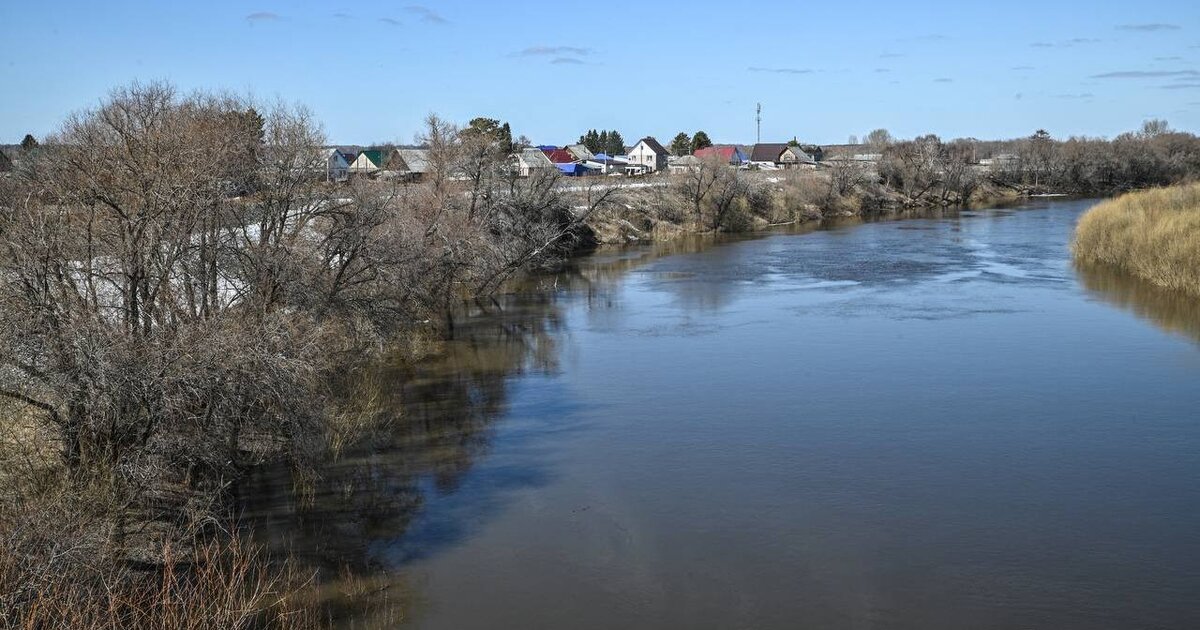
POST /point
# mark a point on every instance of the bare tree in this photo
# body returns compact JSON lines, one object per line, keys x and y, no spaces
{"x":697,"y":182}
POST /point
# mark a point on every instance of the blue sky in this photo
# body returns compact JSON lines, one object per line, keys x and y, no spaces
{"x":371,"y":70}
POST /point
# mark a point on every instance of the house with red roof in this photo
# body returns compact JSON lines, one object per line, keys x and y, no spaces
{"x":728,"y":153}
{"x":559,"y":156}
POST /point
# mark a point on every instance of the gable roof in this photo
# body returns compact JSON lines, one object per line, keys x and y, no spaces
{"x":415,"y":160}
{"x":560,"y":156}
{"x":374,"y":156}
{"x":580,"y":151}
{"x":801,"y":154}
{"x":655,"y":146}
{"x":767,"y":151}
{"x":727,"y":152}
{"x":534,"y":158}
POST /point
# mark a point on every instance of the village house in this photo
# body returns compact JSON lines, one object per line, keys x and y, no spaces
{"x":531,"y":160}
{"x":778,"y":155}
{"x":408,"y":164}
{"x":414,"y":163}
{"x":728,"y":153}
{"x":337,"y":167}
{"x":647,"y":156}
{"x":684,"y":164}
{"x":559,"y":156}
{"x":580,"y":151}
{"x":606,"y":164}
{"x":370,"y":161}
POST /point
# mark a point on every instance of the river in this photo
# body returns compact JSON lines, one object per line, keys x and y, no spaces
{"x":928,"y":423}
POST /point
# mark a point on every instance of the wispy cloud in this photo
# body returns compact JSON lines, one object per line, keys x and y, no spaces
{"x":552,"y":51}
{"x":928,"y":37}
{"x":263,"y":16}
{"x":780,"y":70}
{"x":943,"y":80}
{"x":891,"y":55}
{"x":882,"y":70}
{"x":1023,"y":68}
{"x":342,"y":16}
{"x":390,"y":21}
{"x":1192,"y":85}
{"x":572,"y":61}
{"x":1168,"y":58}
{"x":1067,"y":43}
{"x":426,"y":14}
{"x":1081,"y":95}
{"x":1149,"y":28}
{"x":1145,"y":74}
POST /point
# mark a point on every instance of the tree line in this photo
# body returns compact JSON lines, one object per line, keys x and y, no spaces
{"x":604,"y":141}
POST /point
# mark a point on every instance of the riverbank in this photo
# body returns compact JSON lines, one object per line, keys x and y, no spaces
{"x":679,"y":206}
{"x":1152,"y":234}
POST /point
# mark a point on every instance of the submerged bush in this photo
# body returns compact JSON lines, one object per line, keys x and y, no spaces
{"x":1153,"y":234}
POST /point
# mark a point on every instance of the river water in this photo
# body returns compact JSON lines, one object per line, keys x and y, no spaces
{"x":927,"y":423}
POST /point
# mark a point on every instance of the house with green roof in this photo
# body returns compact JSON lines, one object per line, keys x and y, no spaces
{"x":369,"y":162}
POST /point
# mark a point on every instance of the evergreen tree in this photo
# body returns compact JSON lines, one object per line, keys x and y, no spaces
{"x":496,"y":134}
{"x":700,"y":141}
{"x":29,"y":143}
{"x":602,"y":142}
{"x":682,"y":144}
{"x":615,"y":144}
{"x":506,"y":139}
{"x":591,"y":140}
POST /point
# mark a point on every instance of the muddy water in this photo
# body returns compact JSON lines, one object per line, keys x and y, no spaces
{"x":930,"y":423}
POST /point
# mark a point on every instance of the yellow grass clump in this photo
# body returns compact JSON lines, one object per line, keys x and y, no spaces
{"x":1153,"y":234}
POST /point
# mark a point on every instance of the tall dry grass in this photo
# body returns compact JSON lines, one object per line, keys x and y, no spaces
{"x":1153,"y":234}
{"x":217,"y":584}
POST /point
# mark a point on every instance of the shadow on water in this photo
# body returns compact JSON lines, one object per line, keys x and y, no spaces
{"x":1172,"y":311}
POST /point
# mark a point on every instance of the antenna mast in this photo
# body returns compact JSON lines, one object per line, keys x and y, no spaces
{"x":758,"y":125}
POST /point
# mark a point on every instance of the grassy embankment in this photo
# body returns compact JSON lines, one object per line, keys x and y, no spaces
{"x":1152,"y":234}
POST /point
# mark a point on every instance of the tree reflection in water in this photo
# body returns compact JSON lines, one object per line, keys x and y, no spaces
{"x":431,"y":423}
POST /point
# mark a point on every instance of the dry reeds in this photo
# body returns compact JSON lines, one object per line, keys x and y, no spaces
{"x":223,"y":584}
{"x":1153,"y":234}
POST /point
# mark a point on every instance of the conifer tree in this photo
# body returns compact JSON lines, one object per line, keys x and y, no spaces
{"x":615,"y":144}
{"x":682,"y":144}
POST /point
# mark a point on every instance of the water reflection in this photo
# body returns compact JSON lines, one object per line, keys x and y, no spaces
{"x":1173,"y":311}
{"x":898,"y":491}
{"x":428,"y":425}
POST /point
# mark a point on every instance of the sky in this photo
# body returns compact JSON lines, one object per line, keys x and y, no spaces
{"x":372,"y":70}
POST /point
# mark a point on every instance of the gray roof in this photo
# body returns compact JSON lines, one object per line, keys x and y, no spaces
{"x":580,"y":151}
{"x":799,"y":153}
{"x":535,"y":158}
{"x":416,"y":159}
